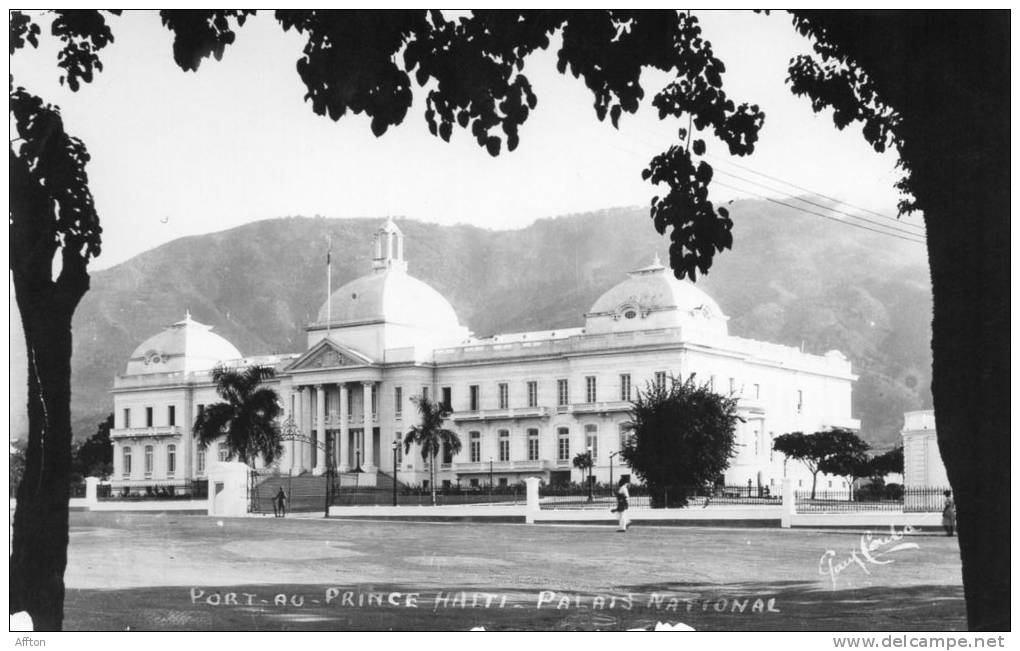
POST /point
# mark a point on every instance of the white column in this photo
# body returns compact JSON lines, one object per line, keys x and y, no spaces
{"x":306,"y":430}
{"x":342,"y":459}
{"x":287,"y":460}
{"x":297,"y":465}
{"x":368,"y":450}
{"x":320,"y":429}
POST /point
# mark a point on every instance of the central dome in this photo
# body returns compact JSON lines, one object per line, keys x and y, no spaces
{"x":390,"y":296}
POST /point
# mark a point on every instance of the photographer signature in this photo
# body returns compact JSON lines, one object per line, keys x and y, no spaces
{"x":870,"y":552}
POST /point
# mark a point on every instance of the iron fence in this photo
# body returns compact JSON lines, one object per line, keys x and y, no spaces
{"x":576,"y":496}
{"x":78,"y":490}
{"x":908,"y":500}
{"x":603,"y":496}
{"x":413,"y":496}
{"x":189,"y":490}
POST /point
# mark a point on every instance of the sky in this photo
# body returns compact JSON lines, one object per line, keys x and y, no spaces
{"x":176,"y":153}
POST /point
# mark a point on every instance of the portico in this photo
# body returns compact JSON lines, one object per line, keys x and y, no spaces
{"x":337,"y":410}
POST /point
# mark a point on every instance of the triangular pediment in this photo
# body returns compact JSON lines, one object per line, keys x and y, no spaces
{"x":329,"y":354}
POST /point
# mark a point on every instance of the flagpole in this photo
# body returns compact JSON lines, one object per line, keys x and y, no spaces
{"x":329,"y":284}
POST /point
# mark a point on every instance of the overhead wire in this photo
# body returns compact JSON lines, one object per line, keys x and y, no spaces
{"x":895,"y":228}
{"x":812,"y":212}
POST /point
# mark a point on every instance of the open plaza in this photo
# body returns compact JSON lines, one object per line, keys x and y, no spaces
{"x":167,"y":571}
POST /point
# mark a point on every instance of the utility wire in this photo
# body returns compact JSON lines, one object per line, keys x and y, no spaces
{"x":719,"y":161}
{"x":894,"y":227}
{"x":812,"y":212}
{"x":803,"y":189}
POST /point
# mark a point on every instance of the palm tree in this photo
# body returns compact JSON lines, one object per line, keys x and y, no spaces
{"x":248,"y":417}
{"x":583,"y":461}
{"x":431,"y":435}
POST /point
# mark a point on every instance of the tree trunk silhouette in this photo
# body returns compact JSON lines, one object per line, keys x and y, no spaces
{"x":39,"y":546}
{"x":40,"y":531}
{"x":969,"y":260}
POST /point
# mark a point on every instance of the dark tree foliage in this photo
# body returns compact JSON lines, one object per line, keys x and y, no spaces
{"x":852,"y":465}
{"x":887,"y":463}
{"x":94,"y":457}
{"x":682,"y":438}
{"x":430,"y":435}
{"x":54,"y":230}
{"x":583,"y":461}
{"x":936,"y":86}
{"x":819,"y":450}
{"x":247,"y":419}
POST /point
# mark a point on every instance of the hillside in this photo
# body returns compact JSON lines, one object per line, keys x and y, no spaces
{"x":792,"y":279}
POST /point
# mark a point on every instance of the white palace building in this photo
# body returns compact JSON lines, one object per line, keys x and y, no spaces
{"x":523,"y":404}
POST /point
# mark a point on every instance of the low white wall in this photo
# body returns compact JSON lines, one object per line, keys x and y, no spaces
{"x":453,"y":511}
{"x":867,"y":519}
{"x":150,"y":505}
{"x":735,"y":512}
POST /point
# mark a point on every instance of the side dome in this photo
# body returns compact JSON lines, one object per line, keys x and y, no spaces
{"x":392,"y":297}
{"x":653,"y":298}
{"x":184,"y":346}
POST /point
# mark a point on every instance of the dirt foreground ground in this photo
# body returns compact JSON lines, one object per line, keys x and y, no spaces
{"x":171,"y":572}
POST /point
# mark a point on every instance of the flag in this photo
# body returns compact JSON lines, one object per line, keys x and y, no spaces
{"x":329,"y":250}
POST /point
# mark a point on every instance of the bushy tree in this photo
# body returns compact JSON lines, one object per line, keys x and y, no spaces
{"x":682,"y":438}
{"x":247,"y":419}
{"x":94,"y":457}
{"x":851,"y":465}
{"x":821,"y":449}
{"x":887,"y":463}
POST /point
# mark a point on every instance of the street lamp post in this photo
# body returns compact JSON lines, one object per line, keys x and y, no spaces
{"x":611,"y":455}
{"x":490,"y":477}
{"x":591,"y":462}
{"x":396,"y":446}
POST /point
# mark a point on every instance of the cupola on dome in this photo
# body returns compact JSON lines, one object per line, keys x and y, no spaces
{"x":184,"y":346}
{"x":389,"y":294}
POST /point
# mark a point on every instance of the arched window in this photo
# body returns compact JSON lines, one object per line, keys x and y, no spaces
{"x":126,"y":470}
{"x":171,"y":459}
{"x":148,"y":460}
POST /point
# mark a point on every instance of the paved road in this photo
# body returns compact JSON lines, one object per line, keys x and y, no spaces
{"x":171,"y":572}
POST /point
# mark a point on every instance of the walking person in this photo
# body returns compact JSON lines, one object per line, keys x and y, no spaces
{"x":622,"y":504}
{"x":949,"y":513}
{"x":280,"y":504}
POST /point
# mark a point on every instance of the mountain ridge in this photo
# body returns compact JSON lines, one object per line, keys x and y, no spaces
{"x":790,"y":279}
